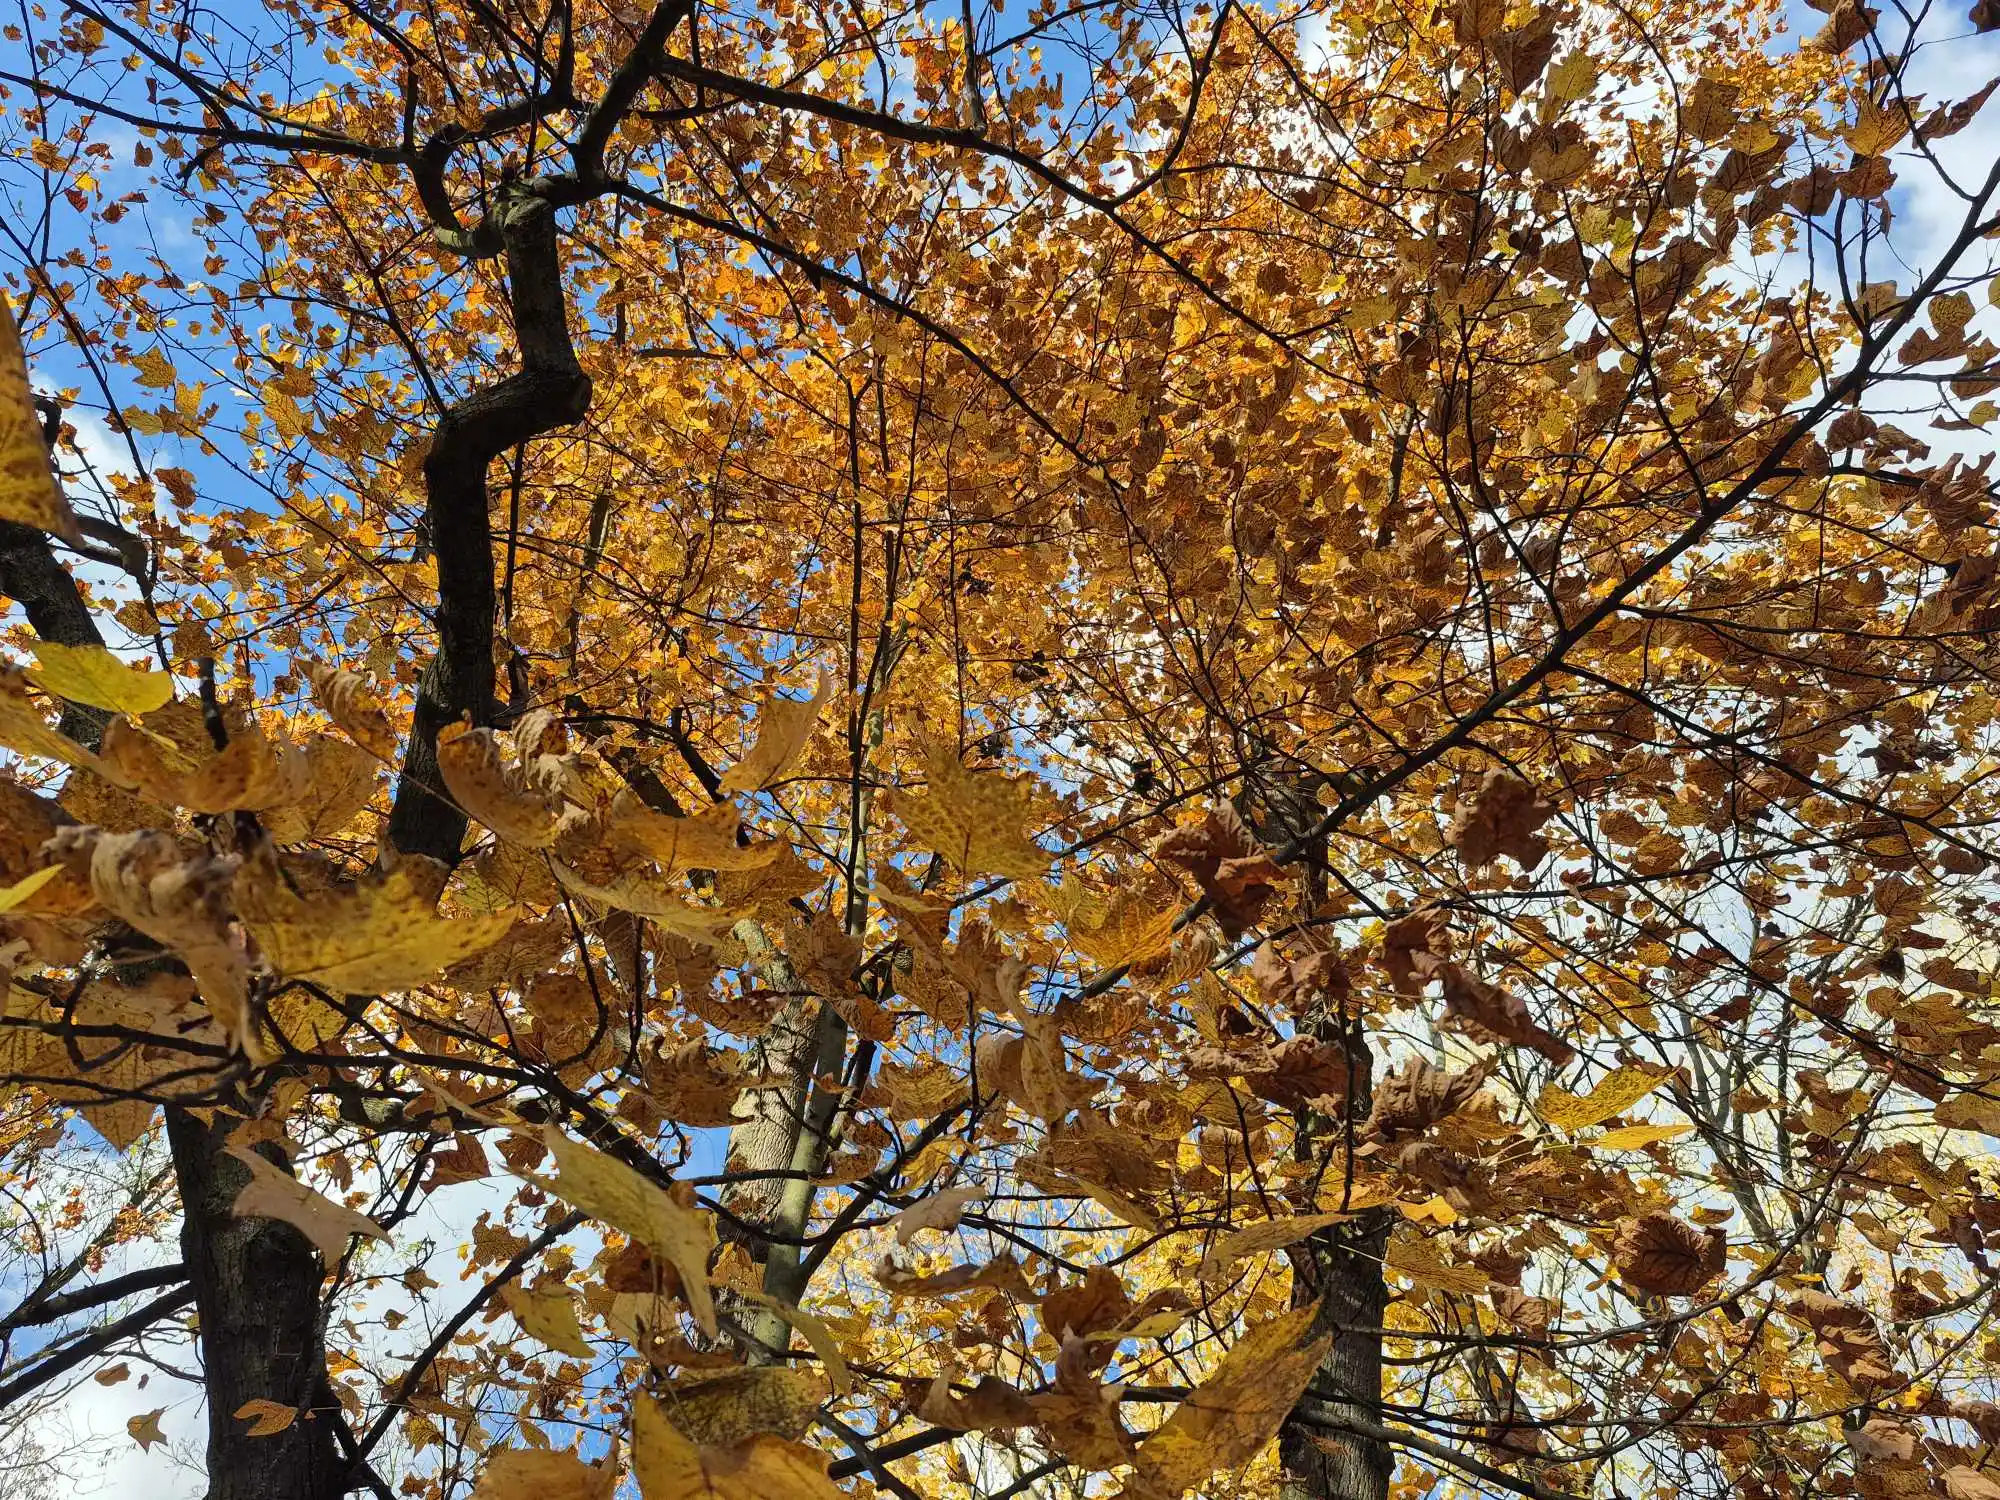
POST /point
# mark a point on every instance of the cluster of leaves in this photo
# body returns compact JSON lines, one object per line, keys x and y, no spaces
{"x":1258,"y":696}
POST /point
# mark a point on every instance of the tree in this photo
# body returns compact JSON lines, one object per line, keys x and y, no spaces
{"x":1243,"y":747}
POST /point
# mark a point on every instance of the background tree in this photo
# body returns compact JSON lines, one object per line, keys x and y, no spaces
{"x":1108,"y":735}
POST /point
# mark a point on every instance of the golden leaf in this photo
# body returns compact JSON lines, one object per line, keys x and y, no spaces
{"x":543,"y":1474}
{"x":92,"y":675}
{"x":381,"y":933}
{"x":495,"y":791}
{"x":706,"y":841}
{"x":266,"y":1418}
{"x":1634,"y":1137}
{"x":938,"y":1211}
{"x":614,"y":1194}
{"x":548,"y":1313}
{"x":147,"y":880}
{"x":340,"y":782}
{"x":1262,"y":1238}
{"x":670,"y":1467}
{"x":1419,"y":1260}
{"x":1226,"y":1421}
{"x":817,"y":1335}
{"x":1616,"y":1092}
{"x":273,"y":1193}
{"x":145,"y":1428}
{"x":974,"y":819}
{"x":248,"y":774}
{"x":783,"y":729}
{"x":13,"y":895}
{"x":28,"y":491}
{"x":729,"y":1405}
{"x":350,"y":701}
{"x":23,"y":729}
{"x":641,"y":895}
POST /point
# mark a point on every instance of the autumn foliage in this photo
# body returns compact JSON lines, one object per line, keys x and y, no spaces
{"x":1127,"y":750}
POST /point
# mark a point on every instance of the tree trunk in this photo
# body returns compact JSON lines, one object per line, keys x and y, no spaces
{"x":256,"y":1282}
{"x":1320,"y":1461}
{"x":257,"y":1285}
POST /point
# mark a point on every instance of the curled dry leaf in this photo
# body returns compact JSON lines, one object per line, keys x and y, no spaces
{"x":1848,"y":1341}
{"x":178,"y":899}
{"x":273,"y":1193}
{"x":29,"y":495}
{"x":495,"y":790}
{"x":349,"y":699}
{"x":382,"y":932}
{"x":1502,"y":816}
{"x":670,"y":1466}
{"x":1667,"y":1256}
{"x":939,"y":1211}
{"x":1417,"y":1096}
{"x":705,"y":841}
{"x":783,"y":730}
{"x":1233,"y":870}
{"x":249,"y":774}
{"x":992,"y":1405}
{"x":1500,"y":1012}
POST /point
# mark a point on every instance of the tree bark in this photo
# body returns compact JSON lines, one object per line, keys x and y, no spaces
{"x":1320,"y":1461}
{"x":256,"y":1284}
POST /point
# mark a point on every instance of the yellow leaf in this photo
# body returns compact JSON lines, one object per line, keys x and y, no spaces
{"x":1877,"y":128}
{"x":266,"y":1418}
{"x":730,"y":1405}
{"x":90,"y":674}
{"x":542,"y":1474}
{"x":548,"y":1314}
{"x":1615,"y":1093}
{"x":156,"y":371}
{"x":1227,"y":1420}
{"x":642,"y":895}
{"x":113,"y":1374}
{"x":706,"y":841}
{"x":670,"y":1467}
{"x":783,"y":729}
{"x":249,"y":774}
{"x":496,"y":791}
{"x":1420,"y":1261}
{"x":181,"y":901}
{"x":350,"y":701}
{"x":145,"y":1428}
{"x":614,"y":1194}
{"x":381,"y":933}
{"x":28,"y":492}
{"x":974,"y":819}
{"x":817,"y":1335}
{"x":13,"y":895}
{"x":22,"y":728}
{"x":1633,"y":1137}
{"x":273,"y":1193}
{"x":1571,"y":78}
{"x":341,"y":779}
{"x":1261,"y":1239}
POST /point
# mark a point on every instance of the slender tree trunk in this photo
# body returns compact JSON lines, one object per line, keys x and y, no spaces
{"x":1320,"y":1461}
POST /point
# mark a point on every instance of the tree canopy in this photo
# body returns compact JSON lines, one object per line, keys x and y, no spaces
{"x":1133,"y":749}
